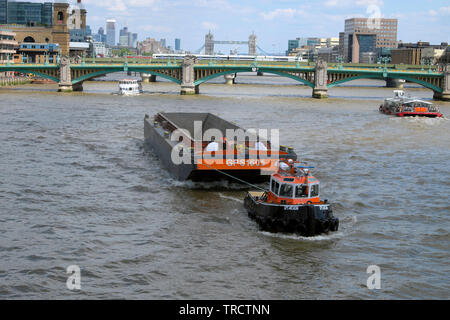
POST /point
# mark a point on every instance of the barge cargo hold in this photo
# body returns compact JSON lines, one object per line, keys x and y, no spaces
{"x":251,"y":160}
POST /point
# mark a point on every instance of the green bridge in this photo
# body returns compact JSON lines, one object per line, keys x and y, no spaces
{"x":190,"y":73}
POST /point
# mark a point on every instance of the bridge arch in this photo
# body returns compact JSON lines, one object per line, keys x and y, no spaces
{"x":50,"y":74}
{"x":103,"y":72}
{"x":283,"y":74}
{"x":381,"y":77}
{"x":155,"y":73}
{"x":92,"y":75}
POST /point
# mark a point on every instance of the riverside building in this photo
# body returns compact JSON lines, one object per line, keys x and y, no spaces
{"x":366,"y":35}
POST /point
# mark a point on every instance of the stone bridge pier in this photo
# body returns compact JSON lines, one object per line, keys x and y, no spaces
{"x":65,"y":77}
{"x":230,"y":79}
{"x":445,"y":95}
{"x":394,"y":83}
{"x":320,"y":90}
{"x":188,"y":86}
{"x":147,"y":77}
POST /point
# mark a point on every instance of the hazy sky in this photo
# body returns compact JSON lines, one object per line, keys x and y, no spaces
{"x":274,"y":22}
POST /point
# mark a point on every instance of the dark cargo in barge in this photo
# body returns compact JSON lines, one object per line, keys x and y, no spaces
{"x":182,"y":135}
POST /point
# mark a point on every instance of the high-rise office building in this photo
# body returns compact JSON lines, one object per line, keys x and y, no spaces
{"x":163,"y":43}
{"x":123,"y":32}
{"x":124,"y":37}
{"x":134,"y":40}
{"x":100,"y":36}
{"x":3,"y":11}
{"x":177,"y":44}
{"x":111,"y":32}
{"x":364,"y":35}
{"x":26,"y":13}
{"x":127,"y":39}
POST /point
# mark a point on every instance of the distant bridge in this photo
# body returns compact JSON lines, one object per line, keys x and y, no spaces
{"x":210,"y":43}
{"x":191,"y":73}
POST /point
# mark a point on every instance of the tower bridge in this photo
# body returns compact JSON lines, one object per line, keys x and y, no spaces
{"x":190,"y":73}
{"x":210,"y":44}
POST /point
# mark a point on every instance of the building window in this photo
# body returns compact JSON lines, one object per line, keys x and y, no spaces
{"x":29,"y":39}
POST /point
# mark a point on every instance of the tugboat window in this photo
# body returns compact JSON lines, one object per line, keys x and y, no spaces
{"x":315,"y":190}
{"x":275,"y":187}
{"x":286,"y":190}
{"x":301,"y":191}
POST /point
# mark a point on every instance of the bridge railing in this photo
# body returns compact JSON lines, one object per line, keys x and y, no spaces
{"x":235,"y":63}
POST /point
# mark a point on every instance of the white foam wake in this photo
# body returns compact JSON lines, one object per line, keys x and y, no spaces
{"x":327,"y":237}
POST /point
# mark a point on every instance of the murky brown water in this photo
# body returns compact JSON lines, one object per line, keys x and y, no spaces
{"x":78,"y":188}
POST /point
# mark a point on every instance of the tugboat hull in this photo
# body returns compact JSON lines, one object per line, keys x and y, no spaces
{"x":305,"y":220}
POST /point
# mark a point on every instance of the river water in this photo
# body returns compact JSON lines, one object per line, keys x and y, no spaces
{"x":78,"y":188}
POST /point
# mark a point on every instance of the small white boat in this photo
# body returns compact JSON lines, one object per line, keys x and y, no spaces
{"x":129,"y":87}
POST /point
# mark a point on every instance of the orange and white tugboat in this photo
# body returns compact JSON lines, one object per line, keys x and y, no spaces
{"x":292,"y":204}
{"x":403,"y":106}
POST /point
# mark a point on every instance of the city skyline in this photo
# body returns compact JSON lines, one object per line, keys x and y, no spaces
{"x":274,"y":22}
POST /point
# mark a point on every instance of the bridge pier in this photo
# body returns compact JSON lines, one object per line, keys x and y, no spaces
{"x":77,"y":87}
{"x":147,"y":77}
{"x":445,"y":94}
{"x":394,"y":83}
{"x":65,"y":77}
{"x":320,"y":90}
{"x":188,"y":86}
{"x":229,"y":79}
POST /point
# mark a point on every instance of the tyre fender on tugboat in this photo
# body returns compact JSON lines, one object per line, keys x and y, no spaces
{"x":334,"y":225}
{"x":311,"y":222}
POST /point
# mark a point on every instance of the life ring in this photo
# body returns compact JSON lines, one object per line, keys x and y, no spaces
{"x":309,"y":202}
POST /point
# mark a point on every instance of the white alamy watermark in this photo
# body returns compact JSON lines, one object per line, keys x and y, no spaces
{"x":374,"y":21}
{"x":374,"y":280}
{"x":74,"y":280}
{"x":239,"y":147}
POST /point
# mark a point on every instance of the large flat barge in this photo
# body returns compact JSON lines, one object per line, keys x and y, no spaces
{"x":187,"y":148}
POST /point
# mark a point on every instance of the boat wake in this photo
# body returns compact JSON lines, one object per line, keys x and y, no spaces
{"x":422,"y":121}
{"x":327,"y":237}
{"x":230,"y":198}
{"x":346,"y":222}
{"x":214,"y":185}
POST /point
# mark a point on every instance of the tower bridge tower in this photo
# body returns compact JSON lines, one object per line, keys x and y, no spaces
{"x":252,"y":41}
{"x":209,"y":44}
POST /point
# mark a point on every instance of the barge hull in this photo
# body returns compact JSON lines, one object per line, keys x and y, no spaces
{"x":155,"y":140}
{"x":157,"y":134}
